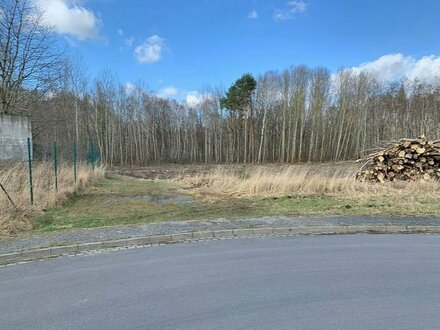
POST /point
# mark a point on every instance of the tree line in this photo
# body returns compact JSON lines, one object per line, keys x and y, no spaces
{"x":299,"y":114}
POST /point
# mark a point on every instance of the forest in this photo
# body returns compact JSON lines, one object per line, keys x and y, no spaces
{"x":291,"y":115}
{"x":298,"y":115}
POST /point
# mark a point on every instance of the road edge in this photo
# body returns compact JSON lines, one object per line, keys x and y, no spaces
{"x":57,"y":251}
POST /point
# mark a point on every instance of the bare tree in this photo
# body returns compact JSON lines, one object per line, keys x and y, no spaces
{"x":27,"y":55}
{"x":322,"y":118}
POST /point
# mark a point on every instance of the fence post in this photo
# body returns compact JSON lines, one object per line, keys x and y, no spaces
{"x":7,"y":195}
{"x":92,"y":147}
{"x":55,"y":165}
{"x":74,"y":162}
{"x":31,"y":187}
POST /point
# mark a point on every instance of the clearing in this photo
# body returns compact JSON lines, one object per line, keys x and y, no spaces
{"x":182,"y":192}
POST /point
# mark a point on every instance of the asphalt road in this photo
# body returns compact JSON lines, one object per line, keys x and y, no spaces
{"x":321,"y":282}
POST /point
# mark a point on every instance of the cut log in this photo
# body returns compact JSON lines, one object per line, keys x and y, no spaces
{"x":381,"y":177}
{"x":406,"y":143}
{"x":409,"y":159}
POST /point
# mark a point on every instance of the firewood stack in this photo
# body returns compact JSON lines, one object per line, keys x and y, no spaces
{"x":408,"y":159}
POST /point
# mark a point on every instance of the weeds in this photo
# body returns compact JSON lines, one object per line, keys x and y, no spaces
{"x":15,"y":216}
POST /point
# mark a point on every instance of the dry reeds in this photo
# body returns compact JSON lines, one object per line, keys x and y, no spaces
{"x":337,"y":180}
{"x":14,"y":216}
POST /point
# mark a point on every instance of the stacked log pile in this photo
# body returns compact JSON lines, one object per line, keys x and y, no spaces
{"x":407,"y":159}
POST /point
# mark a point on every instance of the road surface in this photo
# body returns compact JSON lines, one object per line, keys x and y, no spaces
{"x":314,"y":282}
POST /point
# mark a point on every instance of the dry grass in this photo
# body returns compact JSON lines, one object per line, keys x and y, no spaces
{"x":220,"y":191}
{"x":236,"y":191}
{"x":334,"y":180}
{"x":15,"y":179}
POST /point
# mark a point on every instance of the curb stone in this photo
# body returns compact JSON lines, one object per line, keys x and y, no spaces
{"x":50,"y":252}
{"x":181,"y":237}
{"x":262,"y":231}
{"x":203,"y":234}
{"x":243,"y":231}
{"x":223,"y":233}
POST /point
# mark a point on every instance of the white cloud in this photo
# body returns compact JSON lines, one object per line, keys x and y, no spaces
{"x":120,"y":32}
{"x":426,"y":69}
{"x":253,"y":14}
{"x":193,"y":99}
{"x":290,"y":11}
{"x":151,"y":50}
{"x":129,"y":87}
{"x":394,"y":66}
{"x":70,"y":18}
{"x":168,"y":92}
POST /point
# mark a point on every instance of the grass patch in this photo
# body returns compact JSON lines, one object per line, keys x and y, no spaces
{"x":121,"y":200}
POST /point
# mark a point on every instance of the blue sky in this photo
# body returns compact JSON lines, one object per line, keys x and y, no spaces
{"x":178,"y":46}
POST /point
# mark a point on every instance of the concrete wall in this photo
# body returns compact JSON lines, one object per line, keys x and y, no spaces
{"x":14,"y":131}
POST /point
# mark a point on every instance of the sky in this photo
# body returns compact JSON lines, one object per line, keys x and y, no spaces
{"x":177,"y":47}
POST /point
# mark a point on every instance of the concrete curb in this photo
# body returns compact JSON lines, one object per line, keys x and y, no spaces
{"x":57,"y":251}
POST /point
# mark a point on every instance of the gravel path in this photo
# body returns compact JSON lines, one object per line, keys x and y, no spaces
{"x":110,"y":233}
